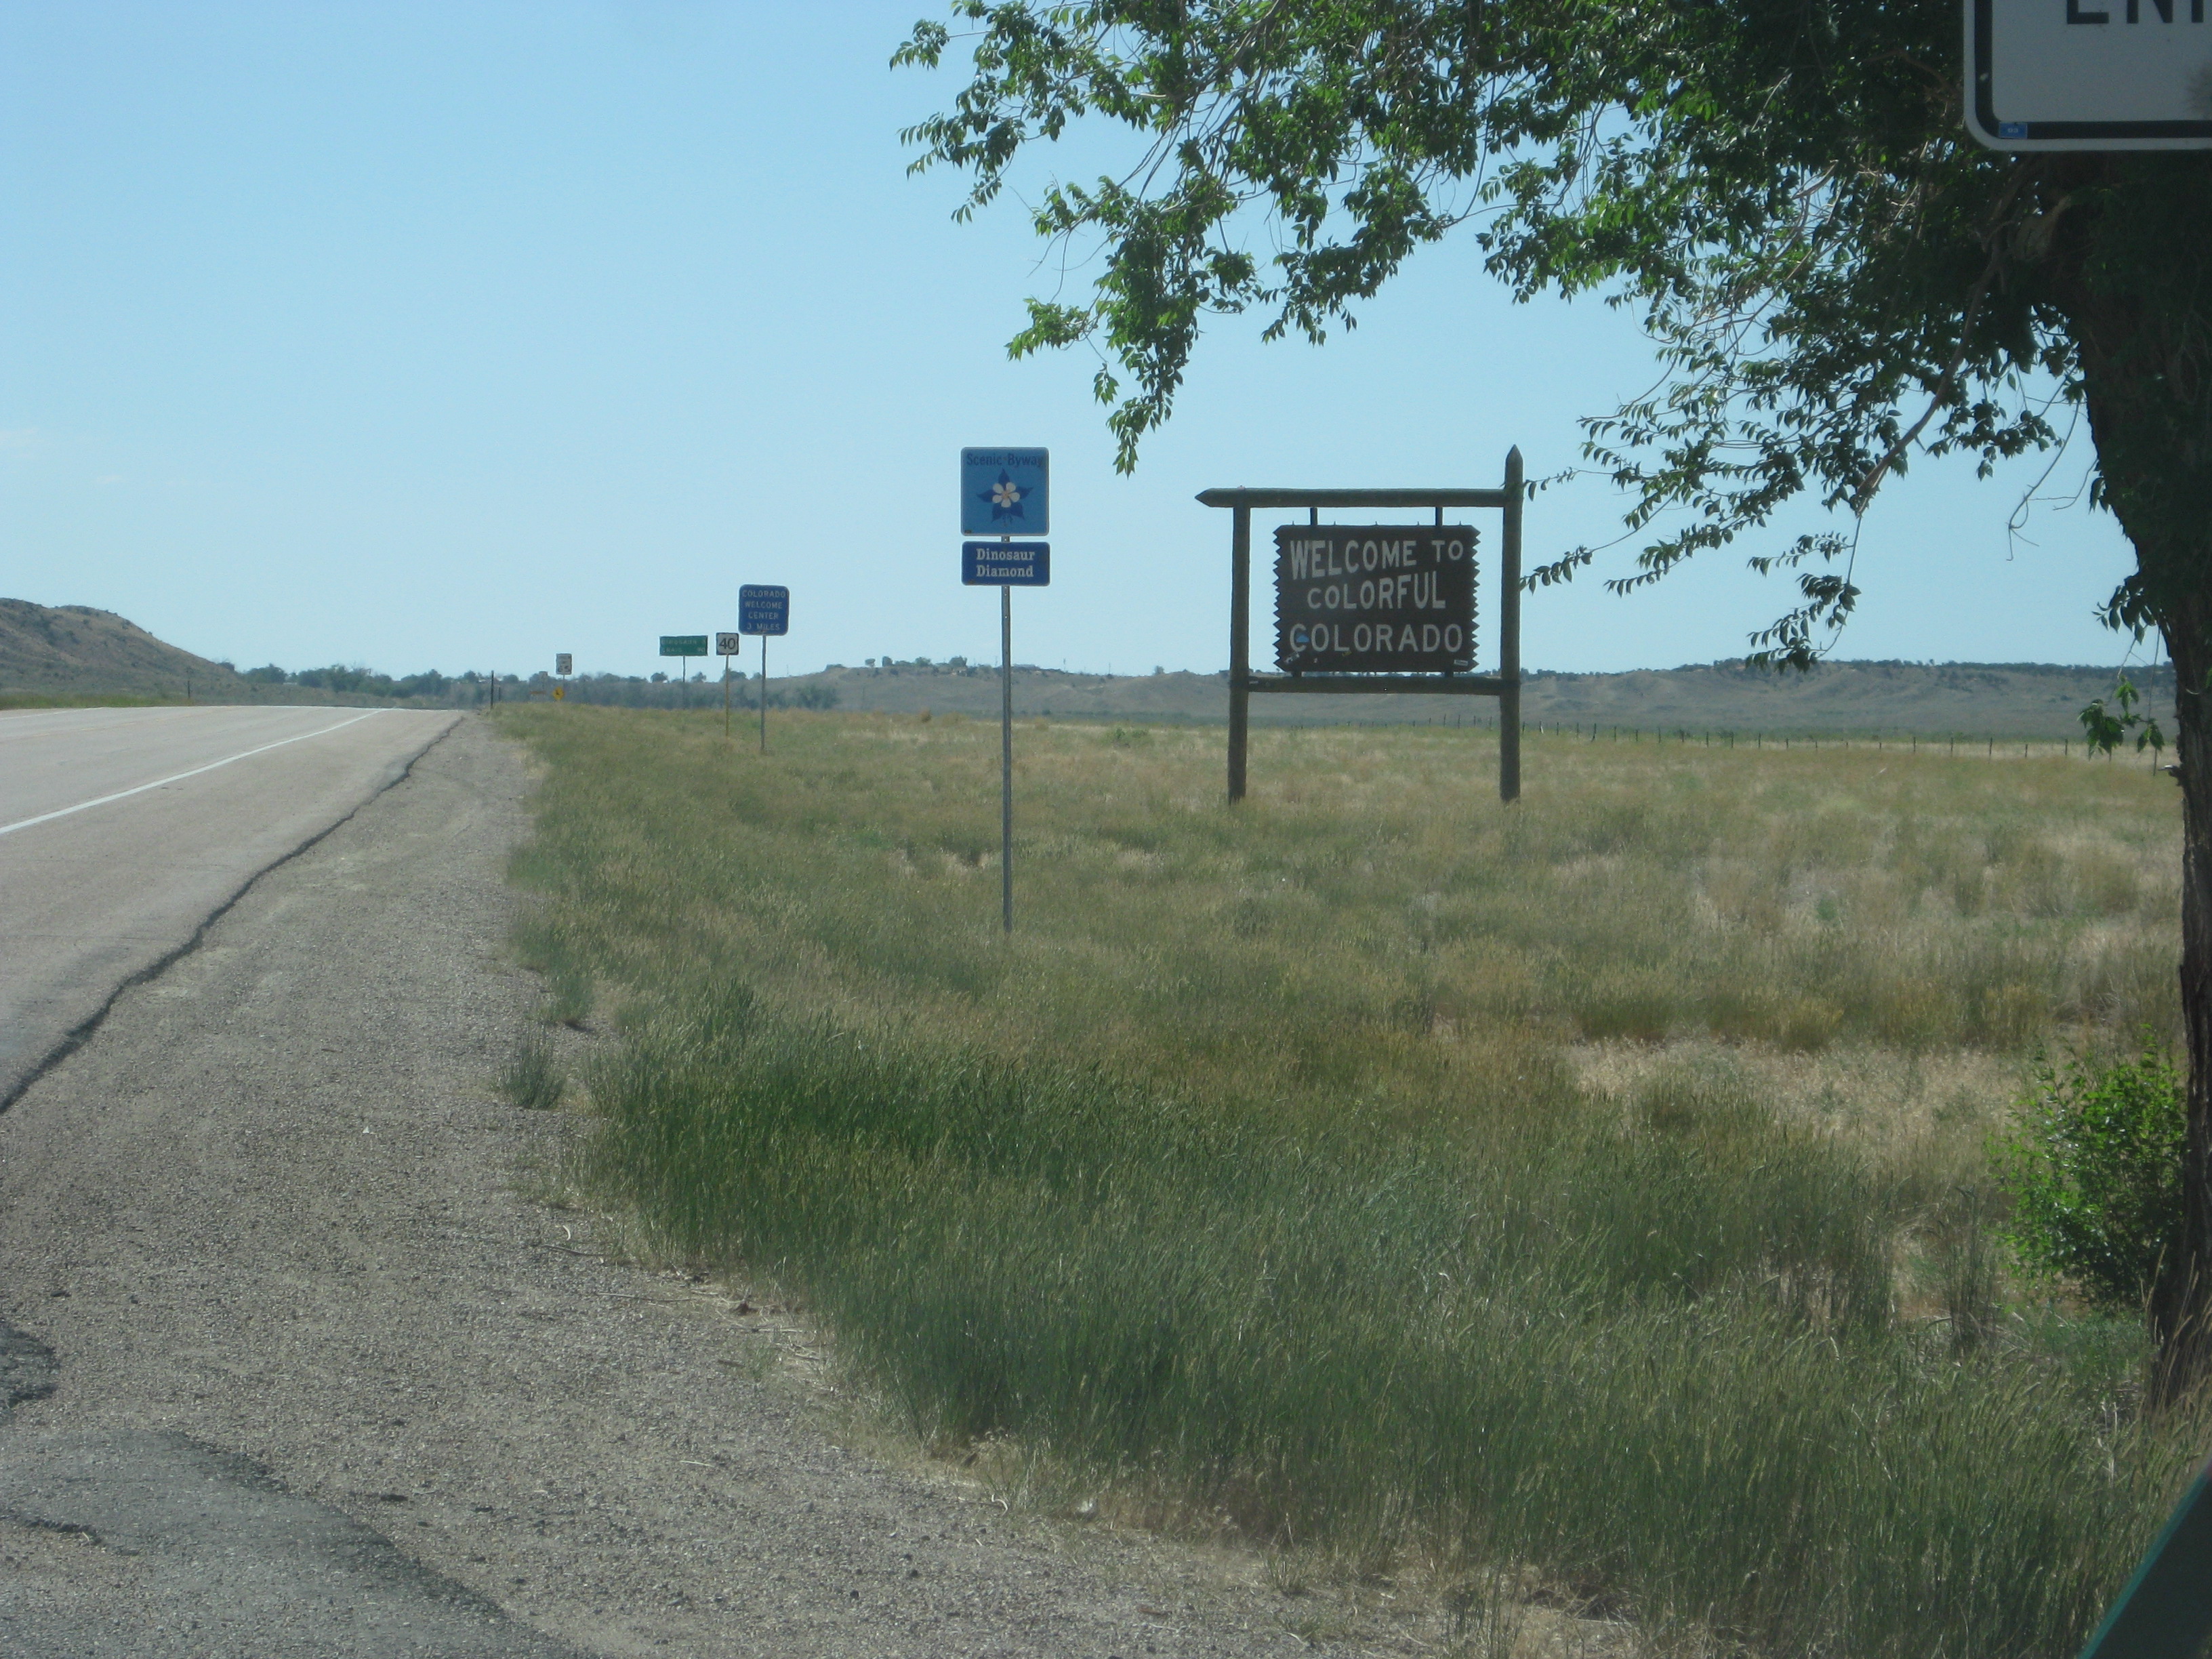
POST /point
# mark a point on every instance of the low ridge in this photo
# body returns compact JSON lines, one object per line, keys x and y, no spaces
{"x":75,"y":650}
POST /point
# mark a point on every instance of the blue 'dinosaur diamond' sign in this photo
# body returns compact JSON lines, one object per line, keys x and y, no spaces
{"x":1003,"y":492}
{"x":763,"y":609}
{"x":1006,"y":564}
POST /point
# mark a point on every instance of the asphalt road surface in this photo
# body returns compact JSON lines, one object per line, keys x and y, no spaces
{"x":293,"y":1361}
{"x":122,"y":830}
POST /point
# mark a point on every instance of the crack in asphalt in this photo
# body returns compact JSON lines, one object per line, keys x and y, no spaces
{"x":81,"y":1033}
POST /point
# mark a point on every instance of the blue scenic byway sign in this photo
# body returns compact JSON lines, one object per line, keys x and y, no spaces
{"x":1003,"y":492}
{"x":1006,"y":564}
{"x":763,"y":609}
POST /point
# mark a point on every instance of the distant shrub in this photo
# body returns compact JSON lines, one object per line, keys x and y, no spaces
{"x":1809,"y":1025}
{"x":428,"y":683}
{"x":816,"y":696}
{"x":1635,"y":1003}
{"x":2092,"y":1167}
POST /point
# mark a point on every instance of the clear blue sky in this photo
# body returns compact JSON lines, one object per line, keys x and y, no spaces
{"x":454,"y":335}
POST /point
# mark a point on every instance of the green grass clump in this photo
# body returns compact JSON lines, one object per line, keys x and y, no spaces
{"x":1261,"y":1171}
{"x":533,"y":1077}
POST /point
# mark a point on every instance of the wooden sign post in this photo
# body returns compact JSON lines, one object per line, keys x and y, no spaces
{"x":1376,"y":608}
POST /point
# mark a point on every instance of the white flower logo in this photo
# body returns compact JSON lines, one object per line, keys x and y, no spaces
{"x":1005,"y":499}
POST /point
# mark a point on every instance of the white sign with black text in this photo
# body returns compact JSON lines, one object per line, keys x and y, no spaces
{"x":2089,"y":75}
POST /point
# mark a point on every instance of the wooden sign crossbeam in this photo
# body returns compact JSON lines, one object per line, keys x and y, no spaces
{"x":1504,"y":685}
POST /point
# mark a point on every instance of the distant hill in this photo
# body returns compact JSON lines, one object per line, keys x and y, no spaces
{"x":74,"y":651}
{"x":2003,"y":699}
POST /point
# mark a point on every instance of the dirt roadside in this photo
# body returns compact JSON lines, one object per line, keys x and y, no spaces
{"x":320,"y":1381}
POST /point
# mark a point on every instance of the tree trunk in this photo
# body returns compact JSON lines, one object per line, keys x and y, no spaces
{"x":2132,"y":270}
{"x":2182,"y":1300}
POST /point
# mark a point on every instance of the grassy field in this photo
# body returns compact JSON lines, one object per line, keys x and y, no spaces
{"x":1587,"y":1196}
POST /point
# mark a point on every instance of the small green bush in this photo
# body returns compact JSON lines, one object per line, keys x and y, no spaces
{"x":2092,"y":1167}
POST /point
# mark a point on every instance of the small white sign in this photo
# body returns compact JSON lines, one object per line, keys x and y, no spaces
{"x":2089,"y":74}
{"x":728,"y":645}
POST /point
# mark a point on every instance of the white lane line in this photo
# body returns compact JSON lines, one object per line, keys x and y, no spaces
{"x":178,"y":777}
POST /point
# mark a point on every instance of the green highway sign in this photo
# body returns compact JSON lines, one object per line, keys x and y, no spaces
{"x":683,"y":645}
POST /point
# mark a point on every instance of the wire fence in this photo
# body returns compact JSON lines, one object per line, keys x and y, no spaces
{"x":1951,"y":745}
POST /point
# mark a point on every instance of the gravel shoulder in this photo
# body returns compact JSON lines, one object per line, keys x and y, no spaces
{"x":296,"y":1367}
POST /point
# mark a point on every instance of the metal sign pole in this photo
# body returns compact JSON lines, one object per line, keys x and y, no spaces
{"x":726,"y":696}
{"x":1240,"y":646}
{"x":1006,"y":758}
{"x":1002,"y":490}
{"x":762,"y":608}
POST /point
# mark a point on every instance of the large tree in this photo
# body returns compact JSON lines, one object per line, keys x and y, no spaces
{"x":1835,"y":276}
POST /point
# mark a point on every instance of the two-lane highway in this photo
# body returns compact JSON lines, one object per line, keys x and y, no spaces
{"x":122,"y":830}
